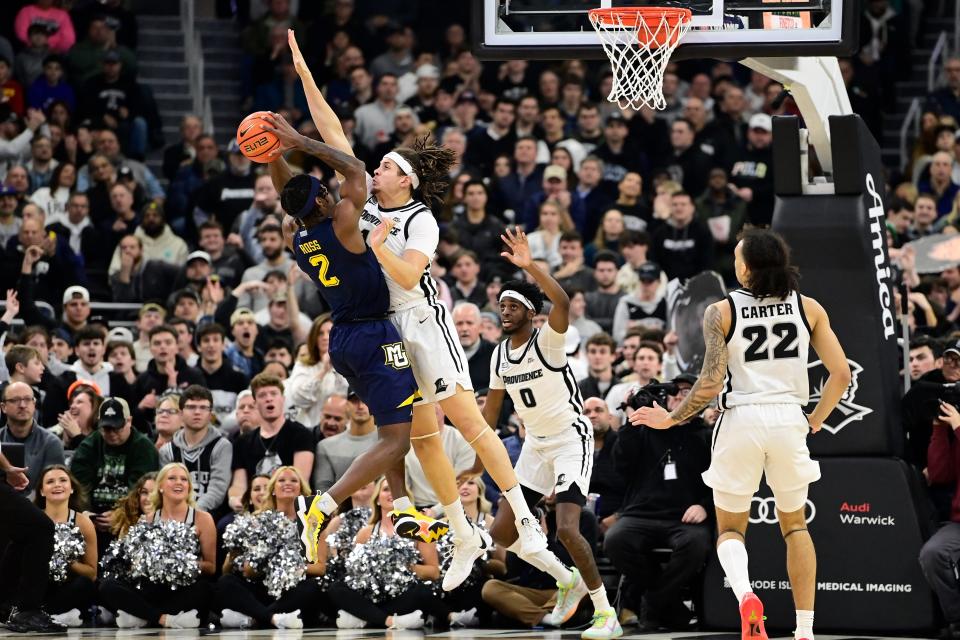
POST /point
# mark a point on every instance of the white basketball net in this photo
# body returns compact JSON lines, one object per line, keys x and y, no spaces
{"x":637,"y":67}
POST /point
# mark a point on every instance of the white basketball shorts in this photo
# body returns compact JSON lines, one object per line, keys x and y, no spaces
{"x":438,"y":361}
{"x":557,"y":462}
{"x":752,"y":440}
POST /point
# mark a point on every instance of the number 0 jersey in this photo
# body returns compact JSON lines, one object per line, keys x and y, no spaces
{"x":767,"y":346}
{"x":352,"y":284}
{"x":541,"y":384}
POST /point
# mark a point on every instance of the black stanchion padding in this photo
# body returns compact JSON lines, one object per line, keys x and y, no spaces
{"x":839,"y":244}
{"x":868,"y":538}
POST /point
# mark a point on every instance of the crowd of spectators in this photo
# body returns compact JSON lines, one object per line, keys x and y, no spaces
{"x":617,"y":203}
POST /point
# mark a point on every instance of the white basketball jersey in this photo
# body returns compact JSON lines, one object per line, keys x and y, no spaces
{"x":767,"y":347}
{"x":414,"y":228}
{"x":541,"y":384}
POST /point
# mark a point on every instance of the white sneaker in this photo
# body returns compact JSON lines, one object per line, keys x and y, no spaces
{"x":69,"y":618}
{"x":568,"y":599}
{"x":465,"y":553}
{"x":412,"y":620}
{"x":289,"y":620}
{"x":183,"y":620}
{"x":349,"y":621}
{"x":127,"y":621}
{"x":104,"y":617}
{"x":467,"y":618}
{"x":605,"y":626}
{"x":230,"y":619}
{"x":532,"y":538}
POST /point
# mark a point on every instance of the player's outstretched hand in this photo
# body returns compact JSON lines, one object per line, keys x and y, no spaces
{"x":655,"y":417}
{"x":519,"y":254}
{"x":289,"y":138}
{"x":298,"y":62}
{"x":379,"y":234}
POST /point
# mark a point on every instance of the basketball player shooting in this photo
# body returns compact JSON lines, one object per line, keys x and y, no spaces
{"x":757,"y":342}
{"x":557,"y":454}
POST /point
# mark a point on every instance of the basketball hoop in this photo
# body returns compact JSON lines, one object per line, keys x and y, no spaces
{"x":639,"y":42}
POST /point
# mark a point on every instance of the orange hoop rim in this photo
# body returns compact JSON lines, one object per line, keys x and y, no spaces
{"x":631,"y":16}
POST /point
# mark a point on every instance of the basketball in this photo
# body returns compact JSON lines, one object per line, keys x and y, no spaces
{"x":255,"y":142}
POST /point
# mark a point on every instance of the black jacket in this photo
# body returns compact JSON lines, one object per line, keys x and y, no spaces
{"x":640,"y":456}
{"x":153,"y":380}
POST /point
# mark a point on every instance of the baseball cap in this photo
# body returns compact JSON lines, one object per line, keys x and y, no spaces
{"x":954,"y":348}
{"x":151,"y":306}
{"x":113,"y":413}
{"x":491,"y":316}
{"x":111,"y":56}
{"x":242,"y":313}
{"x":186,"y":292}
{"x":199,"y":255}
{"x":467,"y":96}
{"x":554,"y":172}
{"x":351,"y":393}
{"x":125,"y":172}
{"x":615,"y":116}
{"x":687,"y":378}
{"x":761,"y":121}
{"x":7,"y":191}
{"x":649,"y":271}
{"x":427,"y":71}
{"x":98,"y":320}
{"x":571,"y":340}
{"x":74,"y":292}
{"x":120,"y":334}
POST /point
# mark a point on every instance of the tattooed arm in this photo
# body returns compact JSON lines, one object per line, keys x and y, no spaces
{"x":708,"y":385}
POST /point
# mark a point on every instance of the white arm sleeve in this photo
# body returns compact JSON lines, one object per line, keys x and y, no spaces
{"x":423,"y":234}
{"x":552,"y":346}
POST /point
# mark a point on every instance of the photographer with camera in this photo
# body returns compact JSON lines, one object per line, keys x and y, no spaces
{"x":666,"y":506}
{"x":920,"y":406}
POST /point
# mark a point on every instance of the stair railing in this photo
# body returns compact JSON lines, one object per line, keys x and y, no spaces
{"x":941,"y":51}
{"x":910,"y":121}
{"x":193,"y":52}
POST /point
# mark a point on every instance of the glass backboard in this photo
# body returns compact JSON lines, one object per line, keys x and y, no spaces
{"x":731,"y":29}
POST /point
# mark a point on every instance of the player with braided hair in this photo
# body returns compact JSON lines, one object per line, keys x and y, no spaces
{"x":402,"y":232}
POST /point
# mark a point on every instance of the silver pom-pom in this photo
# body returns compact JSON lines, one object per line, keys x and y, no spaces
{"x":380,"y":568}
{"x":113,"y":566}
{"x":268,"y":543}
{"x":68,"y":546}
{"x":341,"y":543}
{"x":167,"y":553}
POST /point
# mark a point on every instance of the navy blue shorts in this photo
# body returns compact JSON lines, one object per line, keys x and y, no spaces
{"x":371,"y":356}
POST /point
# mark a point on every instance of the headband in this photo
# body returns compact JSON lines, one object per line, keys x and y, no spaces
{"x":516,"y":295}
{"x":315,"y":187}
{"x":405,"y":166}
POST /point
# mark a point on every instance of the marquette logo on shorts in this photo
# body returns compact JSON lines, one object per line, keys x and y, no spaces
{"x":395,"y":355}
{"x":764,"y":511}
{"x":847,"y":410}
{"x":862,"y":515}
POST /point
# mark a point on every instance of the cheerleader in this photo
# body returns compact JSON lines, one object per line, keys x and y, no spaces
{"x":134,"y":506}
{"x":160,"y":604}
{"x":244,"y":602}
{"x":357,"y":611}
{"x":70,"y":594}
{"x":251,"y":502}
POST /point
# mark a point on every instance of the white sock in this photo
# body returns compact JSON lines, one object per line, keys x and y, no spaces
{"x":599,"y":597}
{"x":546,"y":561}
{"x":804,"y":625}
{"x":514,"y":496}
{"x":327,"y":504}
{"x":457,"y":519}
{"x":289,"y":620}
{"x":402,"y":503}
{"x":733,"y":559}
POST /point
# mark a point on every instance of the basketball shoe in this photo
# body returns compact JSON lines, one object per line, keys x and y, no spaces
{"x":310,"y":522}
{"x":568,"y":598}
{"x":751,"y":618}
{"x":414,"y":525}
{"x":605,"y":626}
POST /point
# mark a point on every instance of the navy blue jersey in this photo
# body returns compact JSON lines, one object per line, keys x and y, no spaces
{"x":352,"y":284}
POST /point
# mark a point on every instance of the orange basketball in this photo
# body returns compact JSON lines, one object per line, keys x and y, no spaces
{"x":255,"y":142}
